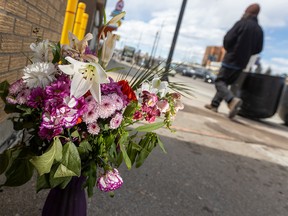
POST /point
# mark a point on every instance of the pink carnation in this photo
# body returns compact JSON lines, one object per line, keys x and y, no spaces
{"x":110,"y":181}
{"x":116,"y":121}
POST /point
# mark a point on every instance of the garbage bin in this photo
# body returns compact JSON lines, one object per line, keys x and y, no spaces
{"x":261,"y":94}
{"x":283,"y":106}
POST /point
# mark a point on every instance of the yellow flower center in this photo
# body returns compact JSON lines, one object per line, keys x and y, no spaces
{"x":88,"y":72}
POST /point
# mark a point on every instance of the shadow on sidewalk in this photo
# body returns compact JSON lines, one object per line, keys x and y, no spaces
{"x":188,"y":180}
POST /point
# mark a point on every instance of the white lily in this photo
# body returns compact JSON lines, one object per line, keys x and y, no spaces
{"x":40,"y":50}
{"x":77,"y":48}
{"x":86,"y":76}
{"x":108,"y":48}
{"x":159,"y":86}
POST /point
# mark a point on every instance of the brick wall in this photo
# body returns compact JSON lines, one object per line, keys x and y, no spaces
{"x":18,"y":18}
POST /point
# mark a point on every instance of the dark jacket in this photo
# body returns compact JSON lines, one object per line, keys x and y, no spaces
{"x":244,"y":39}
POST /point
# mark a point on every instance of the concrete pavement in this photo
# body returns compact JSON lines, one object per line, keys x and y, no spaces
{"x":214,"y":166}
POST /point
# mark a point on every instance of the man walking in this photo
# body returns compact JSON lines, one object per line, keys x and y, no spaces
{"x":242,"y":41}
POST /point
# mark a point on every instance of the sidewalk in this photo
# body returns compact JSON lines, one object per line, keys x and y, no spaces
{"x":259,"y":139}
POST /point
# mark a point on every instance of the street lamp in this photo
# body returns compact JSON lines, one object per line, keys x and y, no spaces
{"x":169,"y":59}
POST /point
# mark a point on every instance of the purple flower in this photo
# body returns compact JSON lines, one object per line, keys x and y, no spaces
{"x":110,"y":181}
{"x":36,"y":98}
{"x":117,"y":100}
{"x":114,"y":87}
{"x":92,"y":111}
{"x":48,"y":134}
{"x":10,"y":99}
{"x":91,"y":116}
{"x":93,"y":128}
{"x":16,"y":87}
{"x":58,"y":88}
{"x":116,"y":121}
{"x":107,"y":107}
{"x":22,"y":96}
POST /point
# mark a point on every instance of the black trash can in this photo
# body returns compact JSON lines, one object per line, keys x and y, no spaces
{"x":283,"y":106}
{"x":261,"y":94}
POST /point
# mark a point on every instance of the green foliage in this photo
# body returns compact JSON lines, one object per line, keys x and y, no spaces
{"x":150,"y":127}
{"x":4,"y":90}
{"x":44,"y":162}
{"x":90,"y":171}
{"x":122,"y":142}
{"x":56,"y":51}
{"x":20,"y":171}
{"x":57,"y":181}
{"x":42,"y":182}
{"x":70,"y":164}
{"x":4,"y":161}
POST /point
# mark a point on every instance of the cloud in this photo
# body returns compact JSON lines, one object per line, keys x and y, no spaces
{"x":204,"y":23}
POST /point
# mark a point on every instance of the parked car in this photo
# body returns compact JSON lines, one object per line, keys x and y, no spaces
{"x":200,"y":73}
{"x":171,"y":71}
{"x":187,"y":71}
{"x":210,"y":77}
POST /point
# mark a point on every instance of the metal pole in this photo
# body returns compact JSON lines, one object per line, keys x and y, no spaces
{"x":169,"y":59}
{"x":151,"y":55}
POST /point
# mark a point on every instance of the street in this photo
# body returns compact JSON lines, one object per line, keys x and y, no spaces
{"x":213,"y":166}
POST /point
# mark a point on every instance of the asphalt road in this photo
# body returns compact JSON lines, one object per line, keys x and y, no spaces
{"x":190,"y":180}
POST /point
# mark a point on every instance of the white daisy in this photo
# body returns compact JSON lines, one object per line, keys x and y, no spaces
{"x":39,"y":74}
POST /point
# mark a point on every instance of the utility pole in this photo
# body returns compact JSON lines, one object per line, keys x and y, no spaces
{"x":169,"y":59}
{"x":151,"y":55}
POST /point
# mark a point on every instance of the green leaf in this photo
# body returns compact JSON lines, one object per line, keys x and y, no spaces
{"x":91,"y":174}
{"x":141,"y":157}
{"x":126,"y":158}
{"x":56,"y":50}
{"x":75,"y":134}
{"x":11,"y":108}
{"x":115,"y":69}
{"x":71,"y":162}
{"x":150,"y":127}
{"x":44,"y":162}
{"x":130,"y":109}
{"x":84,"y":147}
{"x":65,"y":182}
{"x":42,"y":182}
{"x":161,"y":145}
{"x":4,"y":161}
{"x":54,"y":182}
{"x":132,"y":151}
{"x":4,"y":90}
{"x":147,"y":143}
{"x":20,"y":171}
{"x":63,"y":171}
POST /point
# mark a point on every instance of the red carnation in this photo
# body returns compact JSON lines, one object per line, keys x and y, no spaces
{"x":127,"y":90}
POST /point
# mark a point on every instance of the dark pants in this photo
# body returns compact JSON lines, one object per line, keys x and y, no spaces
{"x":225,"y":78}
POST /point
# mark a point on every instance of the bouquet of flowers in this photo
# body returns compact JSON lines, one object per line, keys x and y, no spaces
{"x":78,"y":121}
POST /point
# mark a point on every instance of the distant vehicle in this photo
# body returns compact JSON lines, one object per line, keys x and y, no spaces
{"x":200,"y":73}
{"x":171,"y":71}
{"x":128,"y":53}
{"x":188,"y":71}
{"x":210,"y":77}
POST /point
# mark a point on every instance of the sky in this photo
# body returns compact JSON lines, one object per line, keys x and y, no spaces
{"x":204,"y":24}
